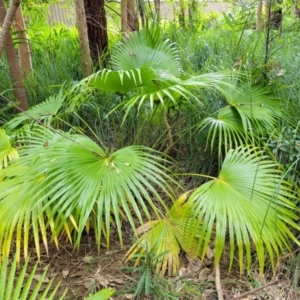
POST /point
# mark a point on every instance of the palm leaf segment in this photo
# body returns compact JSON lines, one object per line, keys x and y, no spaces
{"x":64,"y":182}
{"x":165,"y":238}
{"x":7,"y":151}
{"x":252,"y":111}
{"x":249,"y":202}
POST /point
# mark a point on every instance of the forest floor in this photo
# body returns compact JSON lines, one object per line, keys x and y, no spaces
{"x":85,"y":271}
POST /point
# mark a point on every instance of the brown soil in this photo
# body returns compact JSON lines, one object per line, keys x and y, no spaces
{"x":86,"y":271}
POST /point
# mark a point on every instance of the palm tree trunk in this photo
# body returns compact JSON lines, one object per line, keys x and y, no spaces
{"x":14,"y":68}
{"x":86,"y":61}
{"x":24,"y":48}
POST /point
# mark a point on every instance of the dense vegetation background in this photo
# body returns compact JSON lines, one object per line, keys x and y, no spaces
{"x":184,"y":147}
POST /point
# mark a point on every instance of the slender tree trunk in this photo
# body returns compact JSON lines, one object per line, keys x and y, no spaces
{"x":86,"y":61}
{"x":14,"y":68}
{"x":131,"y":16}
{"x":97,"y":31}
{"x":297,"y":8}
{"x":23,"y":47}
{"x":157,"y":9}
{"x":7,"y":21}
{"x":124,"y":26}
{"x":267,"y":4}
{"x":259,"y":19}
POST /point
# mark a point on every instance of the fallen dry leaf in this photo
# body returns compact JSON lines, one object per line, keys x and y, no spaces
{"x":38,"y":277}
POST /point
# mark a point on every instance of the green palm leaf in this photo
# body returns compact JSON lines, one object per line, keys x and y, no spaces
{"x":63,"y":182}
{"x":15,"y":287}
{"x":122,"y":81}
{"x":252,"y":111}
{"x":7,"y":151}
{"x":166,"y":237}
{"x":146,"y":47}
{"x":44,"y":112}
{"x":249,"y":202}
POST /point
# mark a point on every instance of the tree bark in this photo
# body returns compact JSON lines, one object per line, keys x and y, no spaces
{"x":23,"y":46}
{"x":124,"y":26}
{"x":132,"y":23}
{"x":86,"y":60}
{"x":97,"y":31}
{"x":259,"y":23}
{"x":14,"y":68}
{"x":7,"y":21}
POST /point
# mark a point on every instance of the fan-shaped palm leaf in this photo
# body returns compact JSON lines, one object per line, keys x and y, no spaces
{"x":65,"y":181}
{"x":252,"y":111}
{"x":166,"y":237}
{"x":15,"y":287}
{"x":146,"y":47}
{"x":7,"y":151}
{"x":43,"y":112}
{"x":250,"y":201}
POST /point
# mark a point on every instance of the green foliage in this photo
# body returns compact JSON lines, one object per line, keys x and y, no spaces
{"x":15,"y":285}
{"x":150,"y":284}
{"x":249,"y":202}
{"x":64,"y":181}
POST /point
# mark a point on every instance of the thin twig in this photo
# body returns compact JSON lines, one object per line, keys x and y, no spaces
{"x":255,"y":290}
{"x":218,"y":282}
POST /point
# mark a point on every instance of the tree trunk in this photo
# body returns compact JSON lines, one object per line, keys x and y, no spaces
{"x":267,"y":11}
{"x":131,"y":16}
{"x":23,"y":46}
{"x":86,"y":60}
{"x":7,"y":21}
{"x":129,"y":21}
{"x":157,"y":9}
{"x":14,"y":68}
{"x":124,"y":28}
{"x":259,"y":23}
{"x":297,"y":8}
{"x":97,"y":31}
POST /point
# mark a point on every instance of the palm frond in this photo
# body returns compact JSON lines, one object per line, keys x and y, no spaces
{"x":15,"y":286}
{"x":43,"y":112}
{"x":7,"y":151}
{"x":249,"y":202}
{"x":146,"y":47}
{"x":122,"y":81}
{"x":252,"y":111}
{"x":62,"y":182}
{"x":166,"y":237}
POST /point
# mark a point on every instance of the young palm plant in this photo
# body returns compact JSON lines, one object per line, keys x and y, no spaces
{"x":64,"y":183}
{"x":249,"y":206}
